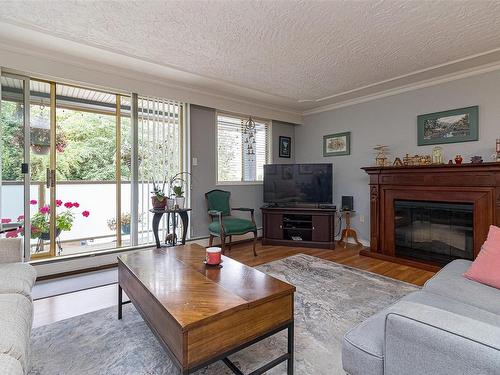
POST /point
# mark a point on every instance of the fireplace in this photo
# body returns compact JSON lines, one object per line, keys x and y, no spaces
{"x":426,"y":216}
{"x":436,"y":232}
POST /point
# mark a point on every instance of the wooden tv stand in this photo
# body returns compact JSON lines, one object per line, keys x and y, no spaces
{"x":293,"y":226}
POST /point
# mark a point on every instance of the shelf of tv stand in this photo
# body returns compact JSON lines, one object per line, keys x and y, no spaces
{"x":315,"y":225}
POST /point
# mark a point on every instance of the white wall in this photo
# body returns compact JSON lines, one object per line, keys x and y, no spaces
{"x":392,"y":121}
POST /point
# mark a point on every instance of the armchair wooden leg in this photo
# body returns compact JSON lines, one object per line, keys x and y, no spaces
{"x":254,"y":243}
{"x":211,"y":240}
{"x":229,"y":245}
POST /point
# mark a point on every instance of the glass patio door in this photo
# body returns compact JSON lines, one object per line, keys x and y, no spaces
{"x":27,"y":186}
{"x":42,"y":162}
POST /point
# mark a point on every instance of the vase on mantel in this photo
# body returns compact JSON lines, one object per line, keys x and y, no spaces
{"x":458,"y":159}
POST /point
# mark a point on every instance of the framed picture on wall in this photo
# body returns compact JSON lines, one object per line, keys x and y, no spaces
{"x":285,"y":147}
{"x":337,"y":144}
{"x":456,"y":125}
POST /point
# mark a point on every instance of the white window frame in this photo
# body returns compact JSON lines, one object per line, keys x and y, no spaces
{"x":269,"y":150}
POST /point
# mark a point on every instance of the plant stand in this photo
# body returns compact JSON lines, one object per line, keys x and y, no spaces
{"x":171,"y":239}
{"x":46,"y":237}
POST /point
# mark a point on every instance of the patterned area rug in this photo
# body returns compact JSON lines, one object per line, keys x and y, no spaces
{"x":330,"y":299}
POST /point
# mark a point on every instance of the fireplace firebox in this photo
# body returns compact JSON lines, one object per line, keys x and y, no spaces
{"x":437,"y":232}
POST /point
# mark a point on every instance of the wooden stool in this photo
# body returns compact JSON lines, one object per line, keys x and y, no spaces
{"x":348,"y":231}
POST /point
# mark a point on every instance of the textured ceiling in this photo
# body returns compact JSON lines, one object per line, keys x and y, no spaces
{"x":297,"y":50}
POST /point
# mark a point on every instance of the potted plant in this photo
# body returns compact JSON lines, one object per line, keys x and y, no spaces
{"x":159,"y":200}
{"x":179,"y":196}
{"x":40,"y":222}
{"x":176,"y":185}
{"x":125,"y":223}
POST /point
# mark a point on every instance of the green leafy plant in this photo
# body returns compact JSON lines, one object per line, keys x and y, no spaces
{"x":178,"y":191}
{"x":126,"y":220}
{"x":158,"y":192}
{"x":40,"y":221}
{"x":176,"y":184}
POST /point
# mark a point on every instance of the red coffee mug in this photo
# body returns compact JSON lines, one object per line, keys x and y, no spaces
{"x":213,"y":256}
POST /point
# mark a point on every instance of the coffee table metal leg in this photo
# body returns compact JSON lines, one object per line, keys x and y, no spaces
{"x":120,"y":303}
{"x":289,"y":364}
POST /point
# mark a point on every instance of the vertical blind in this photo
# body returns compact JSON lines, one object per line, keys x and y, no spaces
{"x":241,"y":157}
{"x":159,"y":128}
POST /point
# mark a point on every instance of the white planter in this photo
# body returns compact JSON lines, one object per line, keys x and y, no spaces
{"x":170,"y":203}
{"x":179,"y":201}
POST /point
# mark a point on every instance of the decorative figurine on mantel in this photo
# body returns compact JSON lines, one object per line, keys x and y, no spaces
{"x":437,"y":155}
{"x":407,"y":160}
{"x":397,"y":162}
{"x":381,"y":159}
{"x":476,"y":160}
{"x":458,"y":159}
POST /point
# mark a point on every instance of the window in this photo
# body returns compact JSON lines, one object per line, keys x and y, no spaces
{"x":242,"y":150}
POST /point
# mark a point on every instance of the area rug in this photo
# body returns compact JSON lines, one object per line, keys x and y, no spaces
{"x":330,"y":299}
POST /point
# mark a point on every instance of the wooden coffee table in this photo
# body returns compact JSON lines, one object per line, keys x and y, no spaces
{"x":203,"y":314}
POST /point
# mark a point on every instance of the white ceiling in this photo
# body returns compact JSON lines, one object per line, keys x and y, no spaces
{"x":297,"y":54}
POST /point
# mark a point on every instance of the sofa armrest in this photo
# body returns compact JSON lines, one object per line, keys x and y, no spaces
{"x":11,"y":250}
{"x":422,"y":339}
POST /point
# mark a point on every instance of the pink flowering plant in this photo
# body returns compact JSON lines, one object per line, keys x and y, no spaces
{"x":40,"y":221}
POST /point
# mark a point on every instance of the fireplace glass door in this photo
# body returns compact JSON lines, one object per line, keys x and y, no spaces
{"x":436,"y":232}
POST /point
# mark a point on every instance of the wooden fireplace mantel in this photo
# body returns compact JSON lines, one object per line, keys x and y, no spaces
{"x":467,"y":183}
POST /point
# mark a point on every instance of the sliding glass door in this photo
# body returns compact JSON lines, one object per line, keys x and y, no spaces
{"x":14,"y":158}
{"x":76,"y":195}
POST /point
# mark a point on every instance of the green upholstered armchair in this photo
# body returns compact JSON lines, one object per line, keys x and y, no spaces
{"x":224,"y":225}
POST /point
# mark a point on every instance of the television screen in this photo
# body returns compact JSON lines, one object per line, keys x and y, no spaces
{"x":298,"y":183}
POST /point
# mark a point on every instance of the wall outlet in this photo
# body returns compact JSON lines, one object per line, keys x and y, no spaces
{"x":195,"y":162}
{"x":361,"y":218}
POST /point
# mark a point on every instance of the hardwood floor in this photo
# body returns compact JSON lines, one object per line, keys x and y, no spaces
{"x":65,"y":306}
{"x":348,"y":256}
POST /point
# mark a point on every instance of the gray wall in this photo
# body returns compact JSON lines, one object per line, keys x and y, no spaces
{"x":203,"y":145}
{"x":287,"y":130}
{"x":392,"y":121}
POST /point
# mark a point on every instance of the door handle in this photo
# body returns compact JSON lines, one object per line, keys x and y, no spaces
{"x":53,"y":178}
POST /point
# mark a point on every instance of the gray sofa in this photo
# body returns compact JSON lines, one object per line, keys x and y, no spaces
{"x":451,"y":326}
{"x":16,"y":308}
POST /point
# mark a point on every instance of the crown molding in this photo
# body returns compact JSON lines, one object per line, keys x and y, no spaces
{"x":405,"y":88}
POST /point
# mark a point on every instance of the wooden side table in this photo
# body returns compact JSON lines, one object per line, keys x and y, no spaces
{"x":348,"y":231}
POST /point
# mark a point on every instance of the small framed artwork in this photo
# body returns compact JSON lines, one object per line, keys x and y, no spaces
{"x":337,"y":144}
{"x":456,"y":125}
{"x":285,"y":147}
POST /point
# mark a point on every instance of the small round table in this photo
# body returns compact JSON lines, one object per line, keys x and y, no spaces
{"x":348,"y":231}
{"x":157,"y":215}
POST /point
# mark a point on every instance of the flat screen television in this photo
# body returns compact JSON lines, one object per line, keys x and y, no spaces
{"x":298,"y":183}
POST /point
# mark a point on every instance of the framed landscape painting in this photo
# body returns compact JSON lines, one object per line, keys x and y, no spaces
{"x":337,"y":144}
{"x":456,"y":125}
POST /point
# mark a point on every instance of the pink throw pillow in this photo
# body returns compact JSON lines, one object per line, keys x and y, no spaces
{"x":486,"y":268}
